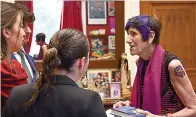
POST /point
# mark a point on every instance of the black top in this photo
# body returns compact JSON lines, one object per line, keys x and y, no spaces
{"x":65,"y":99}
{"x":142,"y":80}
{"x":170,"y":102}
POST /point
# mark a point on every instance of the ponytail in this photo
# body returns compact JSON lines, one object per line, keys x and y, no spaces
{"x":50,"y":62}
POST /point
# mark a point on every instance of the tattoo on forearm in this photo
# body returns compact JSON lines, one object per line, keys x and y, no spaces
{"x":179,"y":71}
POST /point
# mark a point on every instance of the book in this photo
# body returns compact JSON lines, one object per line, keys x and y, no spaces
{"x":126,"y":111}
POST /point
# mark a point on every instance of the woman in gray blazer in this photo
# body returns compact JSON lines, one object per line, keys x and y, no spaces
{"x":55,"y":93}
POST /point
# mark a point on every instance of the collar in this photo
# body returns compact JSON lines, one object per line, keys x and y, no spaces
{"x":20,"y":50}
{"x":63,"y":80}
{"x":23,"y":50}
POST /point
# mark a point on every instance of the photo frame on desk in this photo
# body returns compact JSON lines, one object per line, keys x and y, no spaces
{"x":115,"y":90}
{"x":115,"y":76}
{"x":97,"y":12}
{"x":98,"y":80}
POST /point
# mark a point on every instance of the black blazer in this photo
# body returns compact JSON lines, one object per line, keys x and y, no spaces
{"x":65,"y":99}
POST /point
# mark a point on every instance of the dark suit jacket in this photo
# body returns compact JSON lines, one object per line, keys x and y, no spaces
{"x":65,"y":99}
{"x":32,"y":64}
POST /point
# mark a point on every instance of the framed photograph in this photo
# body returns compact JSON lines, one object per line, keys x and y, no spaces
{"x":111,"y":8}
{"x":105,"y":92}
{"x":97,"y":12}
{"x":97,"y":48}
{"x":115,"y":89}
{"x":97,"y":44}
{"x":115,"y":76}
{"x":97,"y":80}
{"x":111,"y":42}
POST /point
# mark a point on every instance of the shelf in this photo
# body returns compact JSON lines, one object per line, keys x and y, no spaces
{"x":103,"y":63}
{"x":98,"y":36}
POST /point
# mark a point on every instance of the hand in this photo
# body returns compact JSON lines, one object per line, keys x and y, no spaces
{"x":121,"y":103}
{"x":146,"y":113}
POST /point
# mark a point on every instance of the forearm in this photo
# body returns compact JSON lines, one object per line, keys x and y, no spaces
{"x":183,"y":89}
{"x":186,"y":112}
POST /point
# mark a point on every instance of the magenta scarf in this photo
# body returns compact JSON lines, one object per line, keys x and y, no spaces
{"x":152,"y":83}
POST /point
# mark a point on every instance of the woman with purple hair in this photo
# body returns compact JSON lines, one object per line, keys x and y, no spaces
{"x":161,"y":86}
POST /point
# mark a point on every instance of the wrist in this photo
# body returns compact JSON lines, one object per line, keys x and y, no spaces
{"x":167,"y":115}
{"x":170,"y":115}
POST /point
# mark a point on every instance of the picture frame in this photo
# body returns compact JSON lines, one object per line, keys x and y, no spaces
{"x":97,"y":44}
{"x":97,"y":12}
{"x":111,"y":8}
{"x":98,"y":79}
{"x":111,"y":42}
{"x":105,"y":93}
{"x":115,"y":89}
{"x":115,"y":76}
{"x":97,"y":48}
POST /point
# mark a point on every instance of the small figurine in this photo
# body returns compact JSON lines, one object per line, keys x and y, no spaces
{"x":123,"y":61}
{"x":123,"y":68}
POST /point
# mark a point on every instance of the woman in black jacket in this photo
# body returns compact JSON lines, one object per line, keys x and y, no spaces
{"x":56,"y":94}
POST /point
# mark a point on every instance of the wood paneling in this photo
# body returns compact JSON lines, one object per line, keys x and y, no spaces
{"x":192,"y":76}
{"x":178,"y":30}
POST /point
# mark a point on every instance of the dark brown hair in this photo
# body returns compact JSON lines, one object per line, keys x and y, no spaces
{"x":40,"y":37}
{"x":65,"y":47}
{"x":29,"y":16}
{"x":155,"y":25}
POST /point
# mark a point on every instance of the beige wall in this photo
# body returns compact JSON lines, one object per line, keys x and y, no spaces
{"x":132,"y":8}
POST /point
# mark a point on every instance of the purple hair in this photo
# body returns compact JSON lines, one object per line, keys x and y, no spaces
{"x":140,"y":23}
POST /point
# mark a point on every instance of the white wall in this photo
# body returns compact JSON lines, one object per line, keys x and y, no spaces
{"x":84,"y":18}
{"x":131,"y":8}
{"x":47,"y":20}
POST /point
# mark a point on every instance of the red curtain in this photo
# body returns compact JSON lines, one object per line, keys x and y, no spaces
{"x":29,"y":4}
{"x":71,"y":15}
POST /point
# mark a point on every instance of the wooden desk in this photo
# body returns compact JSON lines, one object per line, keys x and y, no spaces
{"x":109,"y":102}
{"x":38,"y":65}
{"x":108,"y":105}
